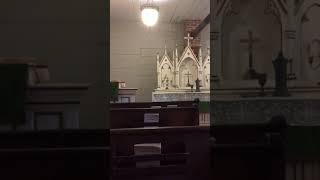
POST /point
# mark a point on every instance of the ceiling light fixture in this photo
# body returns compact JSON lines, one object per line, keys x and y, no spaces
{"x":149,"y":14}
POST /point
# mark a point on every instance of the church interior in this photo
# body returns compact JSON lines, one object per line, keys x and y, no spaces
{"x":160,"y":89}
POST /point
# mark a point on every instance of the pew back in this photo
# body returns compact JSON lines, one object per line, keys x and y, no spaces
{"x":55,"y":154}
{"x":137,"y":117}
{"x":151,"y":104}
{"x":194,"y":156}
{"x":250,"y":152}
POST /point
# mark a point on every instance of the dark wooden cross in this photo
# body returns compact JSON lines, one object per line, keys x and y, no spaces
{"x":188,"y":75}
{"x":251,"y":40}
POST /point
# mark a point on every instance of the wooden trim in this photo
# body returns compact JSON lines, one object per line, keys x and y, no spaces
{"x":154,"y":171}
{"x":161,"y":130}
{"x":151,"y":157}
{"x":52,"y":102}
{"x":60,"y":132}
{"x":152,"y":109}
{"x":38,"y":65}
{"x":41,"y":88}
{"x":130,"y":89}
{"x":257,"y":88}
{"x":54,"y":113}
{"x":14,"y":150}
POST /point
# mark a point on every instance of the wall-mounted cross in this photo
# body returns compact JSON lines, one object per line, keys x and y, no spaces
{"x":251,"y":40}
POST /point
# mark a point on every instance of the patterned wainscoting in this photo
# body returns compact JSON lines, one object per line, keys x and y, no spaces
{"x":163,"y":96}
{"x":298,"y":111}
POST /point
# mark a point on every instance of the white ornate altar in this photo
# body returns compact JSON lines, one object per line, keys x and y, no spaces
{"x":177,"y":75}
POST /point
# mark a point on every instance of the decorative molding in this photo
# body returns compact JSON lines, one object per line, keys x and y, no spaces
{"x":283,"y":6}
{"x":299,"y":112}
{"x":215,"y":78}
{"x":305,"y":19}
{"x":305,"y":6}
{"x":271,"y":8}
{"x":291,"y":34}
{"x":221,"y":4}
{"x":214,"y":35}
{"x":229,"y":10}
{"x":298,"y":5}
{"x":180,"y":96}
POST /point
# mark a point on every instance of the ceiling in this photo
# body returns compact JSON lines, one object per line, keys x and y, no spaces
{"x":171,"y":11}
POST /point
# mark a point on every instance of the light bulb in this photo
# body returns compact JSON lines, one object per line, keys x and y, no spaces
{"x":149,"y":15}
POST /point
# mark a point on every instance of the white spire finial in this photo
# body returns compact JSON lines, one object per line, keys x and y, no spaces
{"x":165,"y":48}
{"x":176,"y":50}
{"x":188,"y":38}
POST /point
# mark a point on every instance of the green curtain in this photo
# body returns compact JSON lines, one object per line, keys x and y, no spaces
{"x":13,"y":78}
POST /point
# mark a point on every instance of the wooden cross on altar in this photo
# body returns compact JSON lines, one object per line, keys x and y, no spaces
{"x":188,"y":38}
{"x":250,"y":42}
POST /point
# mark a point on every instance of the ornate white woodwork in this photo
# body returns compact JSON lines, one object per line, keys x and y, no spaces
{"x":181,"y":72}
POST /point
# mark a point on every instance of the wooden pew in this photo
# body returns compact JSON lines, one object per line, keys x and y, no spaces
{"x":150,"y":104}
{"x":190,"y":162}
{"x":248,"y":152}
{"x":130,"y":118}
{"x":72,"y":154}
{"x":168,"y":116}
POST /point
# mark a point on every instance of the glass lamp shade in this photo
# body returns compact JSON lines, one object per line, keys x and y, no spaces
{"x":149,"y":15}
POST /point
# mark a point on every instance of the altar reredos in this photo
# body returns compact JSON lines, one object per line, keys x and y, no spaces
{"x":180,"y":72}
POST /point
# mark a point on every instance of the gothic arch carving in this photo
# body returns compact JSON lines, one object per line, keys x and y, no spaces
{"x":225,"y":8}
{"x":305,"y":8}
{"x":306,"y":38}
{"x":273,"y":9}
{"x":188,"y":53}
